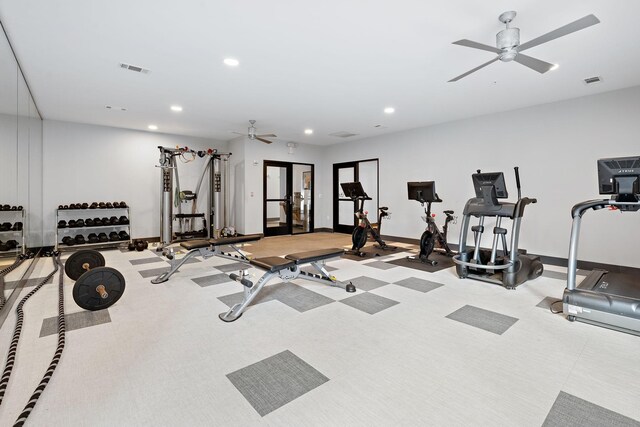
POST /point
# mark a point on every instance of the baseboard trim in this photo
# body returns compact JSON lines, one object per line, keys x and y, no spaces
{"x":323,"y":230}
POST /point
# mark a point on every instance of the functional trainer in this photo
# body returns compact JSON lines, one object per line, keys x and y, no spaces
{"x":603,"y":298}
{"x":286,"y":269}
{"x":207,"y":249}
{"x":355,"y":192}
{"x":425,"y":193}
{"x":513,"y":267}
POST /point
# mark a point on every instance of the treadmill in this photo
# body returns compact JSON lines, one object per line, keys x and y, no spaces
{"x":603,"y":298}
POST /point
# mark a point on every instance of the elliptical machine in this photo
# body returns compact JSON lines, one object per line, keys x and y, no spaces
{"x":514,"y":266}
{"x":354,"y":191}
{"x":424,"y":192}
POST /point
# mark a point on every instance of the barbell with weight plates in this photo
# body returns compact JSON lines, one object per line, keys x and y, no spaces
{"x":97,"y":286}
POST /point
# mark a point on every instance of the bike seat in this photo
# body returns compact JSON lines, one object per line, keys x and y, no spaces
{"x":448,"y":212}
{"x":383,"y":208}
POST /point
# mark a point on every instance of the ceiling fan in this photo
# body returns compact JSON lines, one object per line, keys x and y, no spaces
{"x":509,"y":47}
{"x":252,"y":134}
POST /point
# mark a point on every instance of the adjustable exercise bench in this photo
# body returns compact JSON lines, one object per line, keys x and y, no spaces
{"x":208,"y":248}
{"x":287,"y":269}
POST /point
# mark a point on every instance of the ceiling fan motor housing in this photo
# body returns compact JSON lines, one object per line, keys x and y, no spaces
{"x":507,"y":40}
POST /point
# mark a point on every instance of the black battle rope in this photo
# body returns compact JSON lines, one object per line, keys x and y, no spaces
{"x":11,"y":356}
{"x":56,"y":357}
{"x":3,"y":273}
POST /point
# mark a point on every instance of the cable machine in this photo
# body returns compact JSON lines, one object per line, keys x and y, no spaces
{"x":179,"y":216}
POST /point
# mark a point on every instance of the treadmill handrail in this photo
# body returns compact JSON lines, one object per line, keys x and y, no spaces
{"x":580,"y":208}
{"x":576,"y":212}
{"x":518,"y":210}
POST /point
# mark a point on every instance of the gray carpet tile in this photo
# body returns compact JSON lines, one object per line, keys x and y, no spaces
{"x":547,"y":301}
{"x":193,"y":260}
{"x":555,"y":274}
{"x":418,"y":284}
{"x":153,"y":272}
{"x":369,"y":303}
{"x":232,"y":267}
{"x":570,"y":411}
{"x":443,"y":262}
{"x":380,"y":264}
{"x":79,"y":320}
{"x":27,"y":283}
{"x":483,"y":319}
{"x":213,"y":279}
{"x":145,"y":261}
{"x":367,"y":283}
{"x":273,"y":382}
{"x":292,"y":295}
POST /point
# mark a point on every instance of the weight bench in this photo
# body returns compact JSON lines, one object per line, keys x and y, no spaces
{"x":208,"y":248}
{"x":287,"y":269}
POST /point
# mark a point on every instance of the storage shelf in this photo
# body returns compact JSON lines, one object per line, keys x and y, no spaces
{"x":74,"y":214}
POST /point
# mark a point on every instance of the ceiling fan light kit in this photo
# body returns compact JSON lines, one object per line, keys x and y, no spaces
{"x":508,"y":45}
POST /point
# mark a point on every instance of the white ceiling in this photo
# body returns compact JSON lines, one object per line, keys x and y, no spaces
{"x":330,"y":65}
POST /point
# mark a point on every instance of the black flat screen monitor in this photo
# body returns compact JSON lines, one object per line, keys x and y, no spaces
{"x":424,"y":191}
{"x":353,"y":190}
{"x":490,"y":179}
{"x":620,"y":176}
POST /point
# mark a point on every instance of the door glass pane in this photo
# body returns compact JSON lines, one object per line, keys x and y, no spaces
{"x":276,"y":182}
{"x":276,"y":214}
{"x":302,"y":198}
{"x":346,"y":208}
{"x":368,"y":177}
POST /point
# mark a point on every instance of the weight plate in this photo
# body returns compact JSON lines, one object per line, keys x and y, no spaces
{"x":74,"y":266}
{"x":85,"y":290}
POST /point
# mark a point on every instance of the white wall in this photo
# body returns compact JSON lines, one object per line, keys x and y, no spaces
{"x":87,"y":163}
{"x":556,"y":146}
{"x":248,"y":206}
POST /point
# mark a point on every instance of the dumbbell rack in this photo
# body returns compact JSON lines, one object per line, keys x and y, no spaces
{"x":13,"y":217}
{"x":69,"y":214}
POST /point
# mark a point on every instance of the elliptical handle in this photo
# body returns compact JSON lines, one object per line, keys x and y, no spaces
{"x":517,"y":170}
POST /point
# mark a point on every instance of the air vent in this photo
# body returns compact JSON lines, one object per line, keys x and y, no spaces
{"x":134,"y":68}
{"x":343,"y":134}
{"x":592,"y":80}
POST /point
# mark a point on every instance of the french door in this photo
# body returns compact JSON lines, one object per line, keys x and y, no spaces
{"x":288,"y":198}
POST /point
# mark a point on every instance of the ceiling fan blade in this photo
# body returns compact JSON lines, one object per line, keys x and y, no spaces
{"x":578,"y":25}
{"x":269,"y":135}
{"x":476,"y":45}
{"x":266,"y":141}
{"x":455,"y":79}
{"x":533,"y":63}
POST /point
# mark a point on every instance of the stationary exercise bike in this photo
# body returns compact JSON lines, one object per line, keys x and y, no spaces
{"x":424,"y":192}
{"x":354,"y":191}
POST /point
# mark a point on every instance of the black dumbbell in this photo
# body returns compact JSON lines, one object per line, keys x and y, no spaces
{"x":116,"y":205}
{"x":123,"y":220}
{"x":105,"y":221}
{"x":72,"y":206}
{"x":3,"y":246}
{"x":123,"y":205}
{"x":72,"y":223}
{"x":93,"y":205}
{"x":93,"y":238}
{"x":12,"y":244}
{"x":80,"y":223}
{"x":131,"y":246}
{"x":84,"y":206}
{"x":113,"y":220}
{"x":80,"y":239}
{"x":141,"y":245}
{"x":62,"y":223}
{"x":5,"y":207}
{"x":102,"y":205}
{"x":5,"y":226}
{"x":123,"y":235}
{"x":97,"y":222}
{"x":102,"y":237}
{"x":60,"y":207}
{"x":89,"y":222}
{"x":109,"y":205}
{"x":67,"y":240}
{"x":113,"y":236}
{"x":17,"y":226}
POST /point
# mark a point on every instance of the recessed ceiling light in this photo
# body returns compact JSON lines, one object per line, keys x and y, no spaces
{"x":389,"y":110}
{"x":176,"y":108}
{"x":555,"y":67}
{"x":153,"y":127}
{"x":308,"y":131}
{"x":231,"y":62}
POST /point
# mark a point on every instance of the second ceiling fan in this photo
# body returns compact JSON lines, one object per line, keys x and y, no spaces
{"x":252,"y":134}
{"x":509,"y":47}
